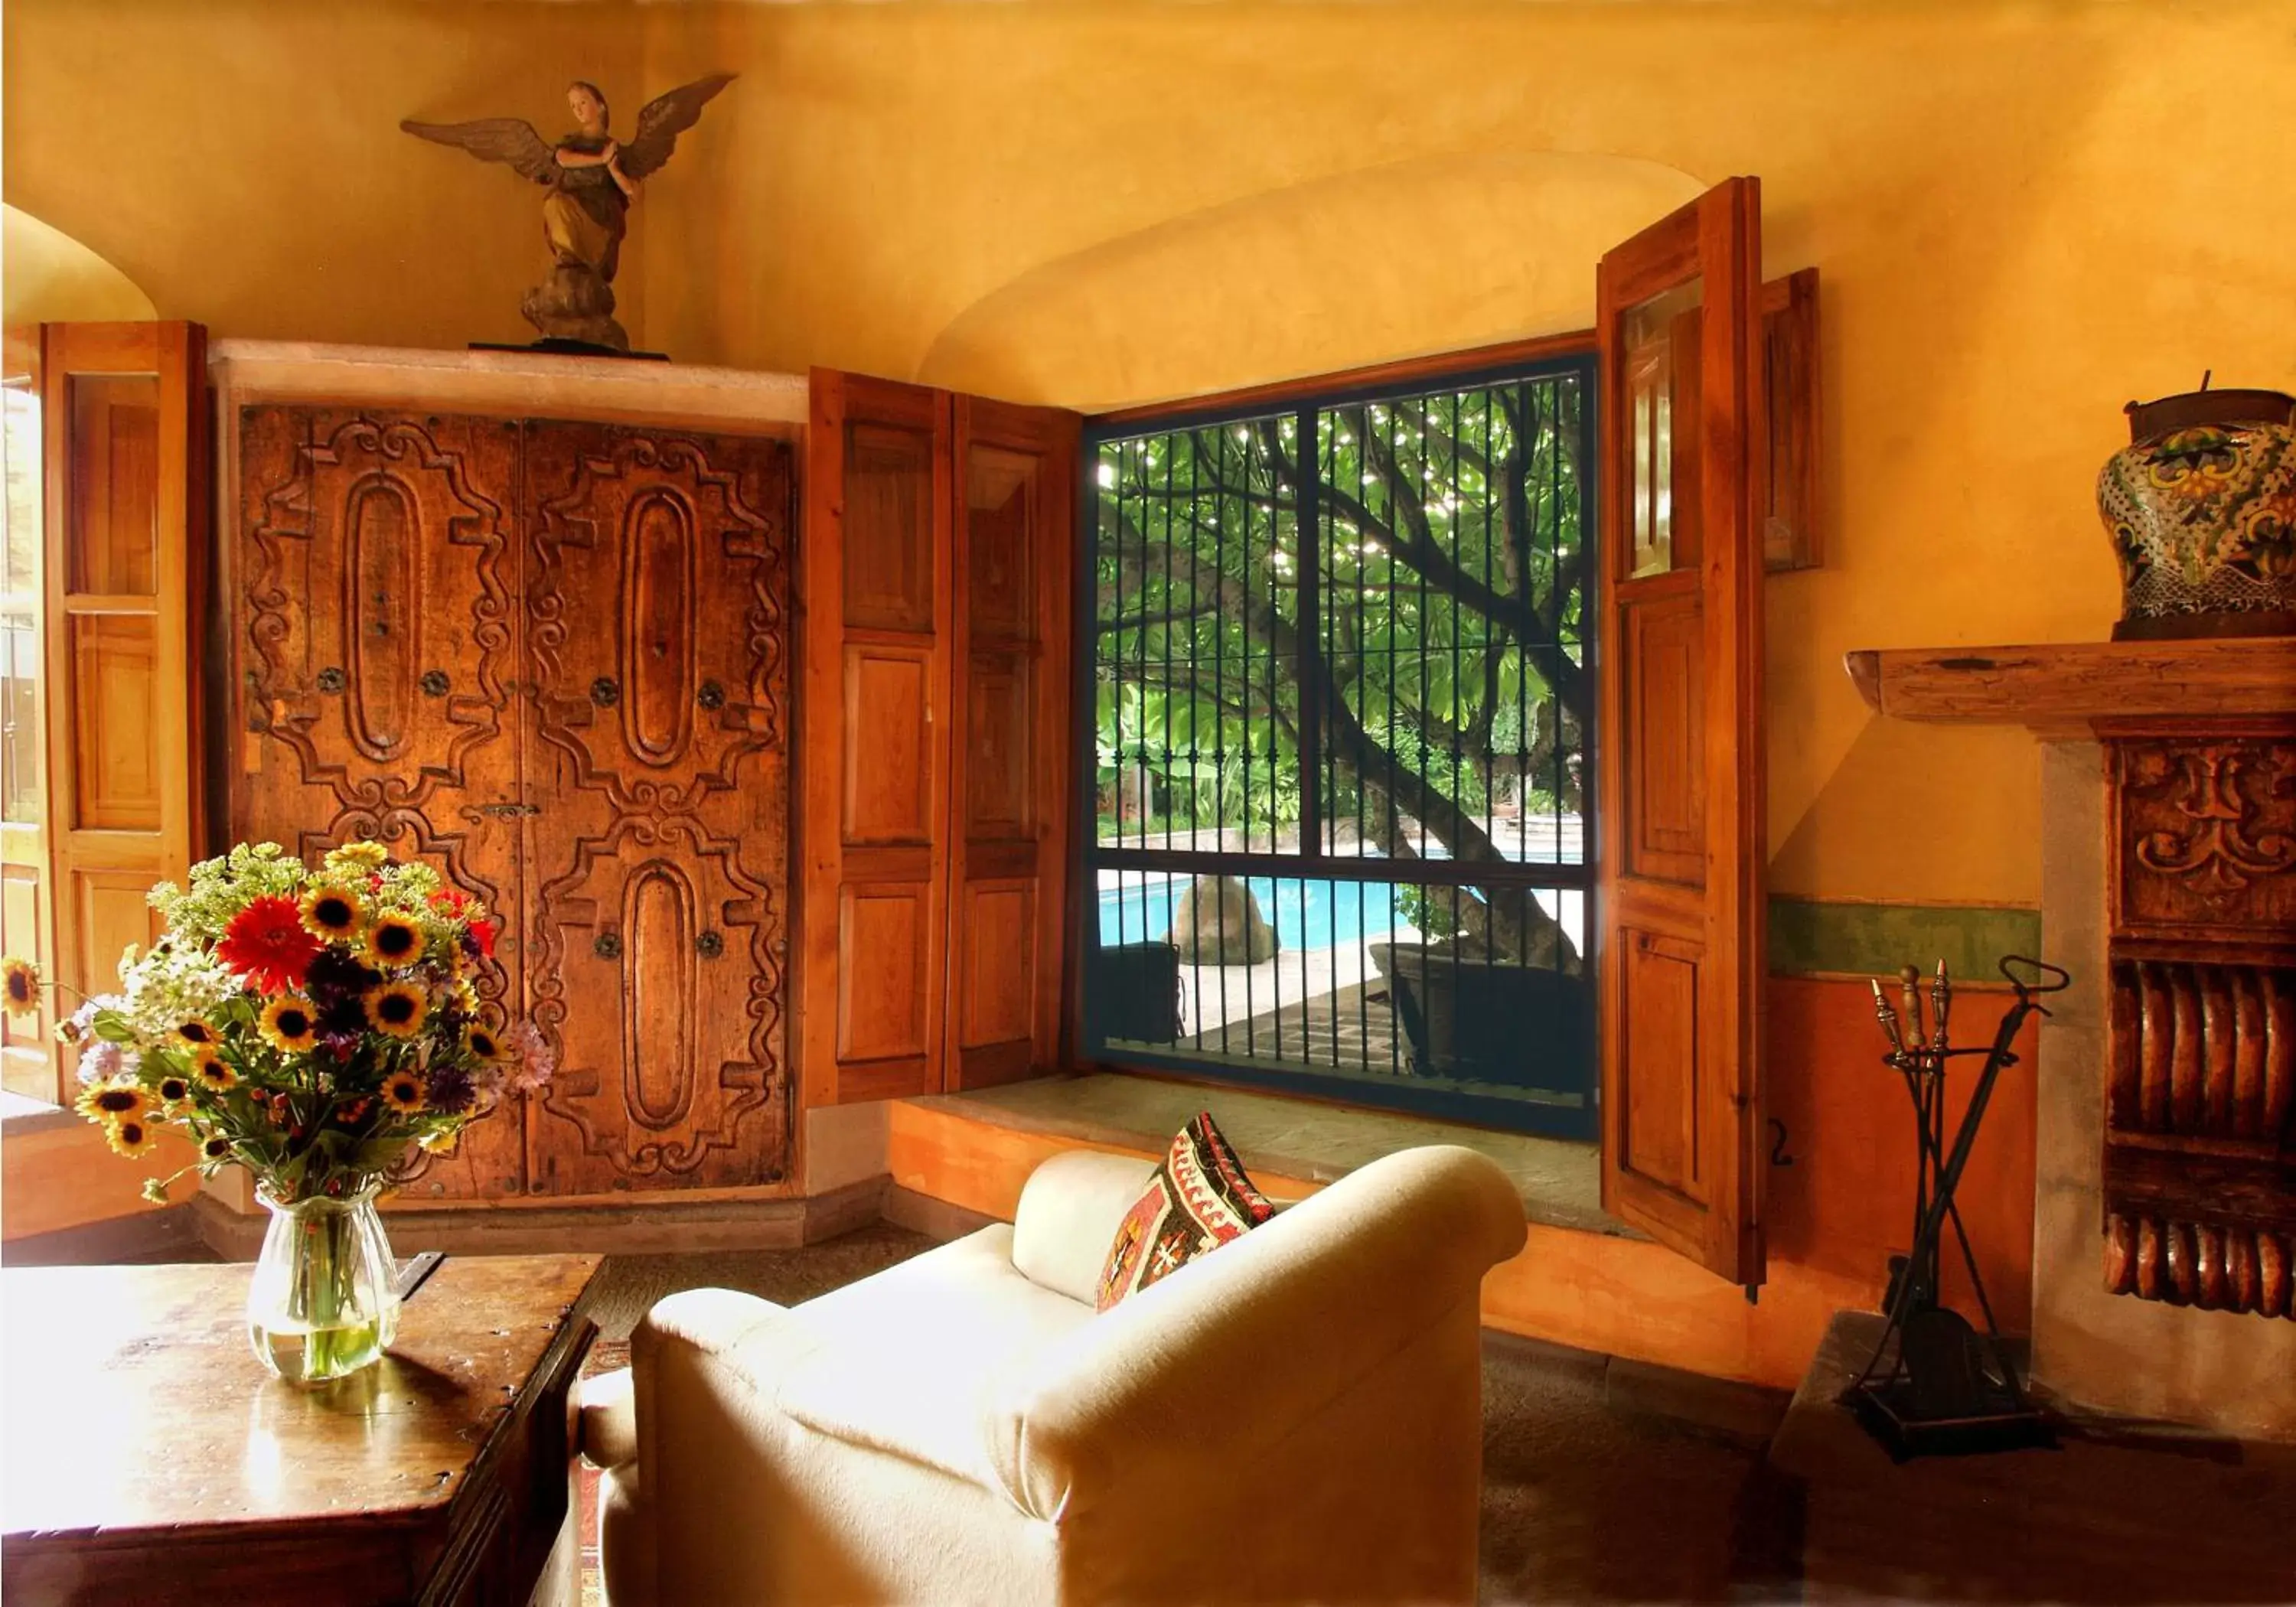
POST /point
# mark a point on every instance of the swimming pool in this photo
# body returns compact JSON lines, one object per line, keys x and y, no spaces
{"x":1136,"y":906}
{"x":1306,"y":914}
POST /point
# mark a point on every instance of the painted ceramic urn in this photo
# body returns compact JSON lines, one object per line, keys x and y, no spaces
{"x":2201,"y":508}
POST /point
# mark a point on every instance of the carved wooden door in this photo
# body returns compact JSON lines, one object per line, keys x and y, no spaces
{"x":657,"y":763}
{"x":549,"y":660}
{"x":1679,"y":876}
{"x":377,"y":640}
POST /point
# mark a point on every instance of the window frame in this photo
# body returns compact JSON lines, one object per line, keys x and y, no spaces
{"x":1578,"y":353}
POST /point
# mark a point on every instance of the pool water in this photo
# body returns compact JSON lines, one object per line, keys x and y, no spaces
{"x":1306,"y":914}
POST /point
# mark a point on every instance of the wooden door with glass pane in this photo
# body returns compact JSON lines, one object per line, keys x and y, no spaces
{"x":1016,"y":489}
{"x":124,"y":475}
{"x":28,"y":1064}
{"x":657,"y":824}
{"x":1680,"y":922}
{"x":376,"y":640}
{"x":878,"y":603}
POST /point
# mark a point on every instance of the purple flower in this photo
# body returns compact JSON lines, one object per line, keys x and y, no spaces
{"x":449,"y":1090}
{"x":333,"y":976}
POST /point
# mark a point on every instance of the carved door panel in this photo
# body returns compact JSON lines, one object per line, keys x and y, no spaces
{"x":377,"y":644}
{"x":1680,"y":880}
{"x":1014,"y":528}
{"x":657,"y":756}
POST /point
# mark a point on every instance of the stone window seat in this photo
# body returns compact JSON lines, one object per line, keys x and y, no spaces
{"x":1560,"y":1181}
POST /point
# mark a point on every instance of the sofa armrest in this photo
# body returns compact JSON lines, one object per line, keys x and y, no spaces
{"x":606,"y":1419}
{"x":1236,"y":1350}
{"x":1067,"y":1216}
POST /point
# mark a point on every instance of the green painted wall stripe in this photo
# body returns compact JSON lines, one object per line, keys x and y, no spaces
{"x":1814,"y":938}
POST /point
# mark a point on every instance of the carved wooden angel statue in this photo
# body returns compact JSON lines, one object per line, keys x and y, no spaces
{"x":591,"y":178}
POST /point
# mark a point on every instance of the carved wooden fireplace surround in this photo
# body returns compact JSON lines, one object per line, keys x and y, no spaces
{"x":2199,"y":754}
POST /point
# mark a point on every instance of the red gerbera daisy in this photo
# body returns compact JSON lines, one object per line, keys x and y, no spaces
{"x":482,"y":933}
{"x":266,"y":944}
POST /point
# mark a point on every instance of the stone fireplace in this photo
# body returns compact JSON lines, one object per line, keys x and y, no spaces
{"x":2165,"y":1220}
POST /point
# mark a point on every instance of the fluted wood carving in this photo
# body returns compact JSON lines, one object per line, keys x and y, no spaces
{"x":2200,"y":1152}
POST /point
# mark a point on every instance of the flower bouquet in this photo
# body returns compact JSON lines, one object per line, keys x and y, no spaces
{"x":310,"y":1026}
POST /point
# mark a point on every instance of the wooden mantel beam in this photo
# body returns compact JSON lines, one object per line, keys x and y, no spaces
{"x":2062,"y":686}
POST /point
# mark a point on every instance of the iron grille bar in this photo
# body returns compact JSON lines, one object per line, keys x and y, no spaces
{"x":1535,"y":876}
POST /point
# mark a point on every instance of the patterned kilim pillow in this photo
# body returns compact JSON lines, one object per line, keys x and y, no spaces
{"x":1195,"y":1201}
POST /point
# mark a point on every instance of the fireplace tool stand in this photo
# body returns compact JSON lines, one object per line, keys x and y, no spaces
{"x":1935,"y":1385}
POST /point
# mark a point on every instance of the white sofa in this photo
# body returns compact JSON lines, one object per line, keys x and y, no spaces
{"x":1295,"y":1417}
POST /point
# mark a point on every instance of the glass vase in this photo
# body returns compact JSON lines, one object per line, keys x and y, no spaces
{"x":324,"y":1301}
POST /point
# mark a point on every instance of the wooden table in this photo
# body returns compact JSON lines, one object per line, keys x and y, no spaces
{"x":151,"y":1459}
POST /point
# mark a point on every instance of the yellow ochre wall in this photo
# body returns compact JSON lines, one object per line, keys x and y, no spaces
{"x":2025,"y":214}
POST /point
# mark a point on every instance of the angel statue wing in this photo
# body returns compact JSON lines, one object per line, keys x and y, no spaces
{"x":501,"y":139}
{"x":664,"y":118}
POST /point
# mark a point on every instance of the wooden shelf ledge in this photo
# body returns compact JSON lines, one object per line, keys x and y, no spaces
{"x":2068,"y":686}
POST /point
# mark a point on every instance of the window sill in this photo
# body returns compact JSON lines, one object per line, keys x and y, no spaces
{"x":21,"y":1115}
{"x":1560,"y":1181}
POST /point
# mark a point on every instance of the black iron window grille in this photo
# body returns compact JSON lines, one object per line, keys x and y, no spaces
{"x":1339,"y":696}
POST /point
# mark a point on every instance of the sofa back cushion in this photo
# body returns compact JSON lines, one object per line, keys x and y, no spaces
{"x":1198,"y":1199}
{"x":1069,"y":1211}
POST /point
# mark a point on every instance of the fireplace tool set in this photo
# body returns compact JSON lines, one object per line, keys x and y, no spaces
{"x":1934,"y":1384}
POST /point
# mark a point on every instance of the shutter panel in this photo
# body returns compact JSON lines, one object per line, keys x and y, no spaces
{"x":124,"y":407}
{"x":1680,"y":922}
{"x":875,"y":575}
{"x":1014,"y":528}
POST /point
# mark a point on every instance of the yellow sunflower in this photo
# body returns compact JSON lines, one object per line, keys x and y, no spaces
{"x":364,"y":857}
{"x":21,"y":979}
{"x":396,"y":1008}
{"x":218,"y":1148}
{"x":171,"y":1091}
{"x":213,"y":1074}
{"x":403,"y":1092}
{"x":290,"y":1024}
{"x":197,"y":1034}
{"x":480,"y":1039}
{"x":113,"y":1101}
{"x":393,"y":940}
{"x":331,"y":913}
{"x":130,"y":1137}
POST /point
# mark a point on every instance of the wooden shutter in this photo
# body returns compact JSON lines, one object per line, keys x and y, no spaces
{"x":1014,"y":528}
{"x":1680,"y":910}
{"x":875,"y":575}
{"x":1787,"y":455}
{"x":124,"y":407}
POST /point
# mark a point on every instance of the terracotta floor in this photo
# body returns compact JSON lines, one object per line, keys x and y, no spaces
{"x":1583,"y":1500}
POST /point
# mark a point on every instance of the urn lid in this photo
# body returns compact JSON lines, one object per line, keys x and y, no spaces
{"x":2149,"y":420}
